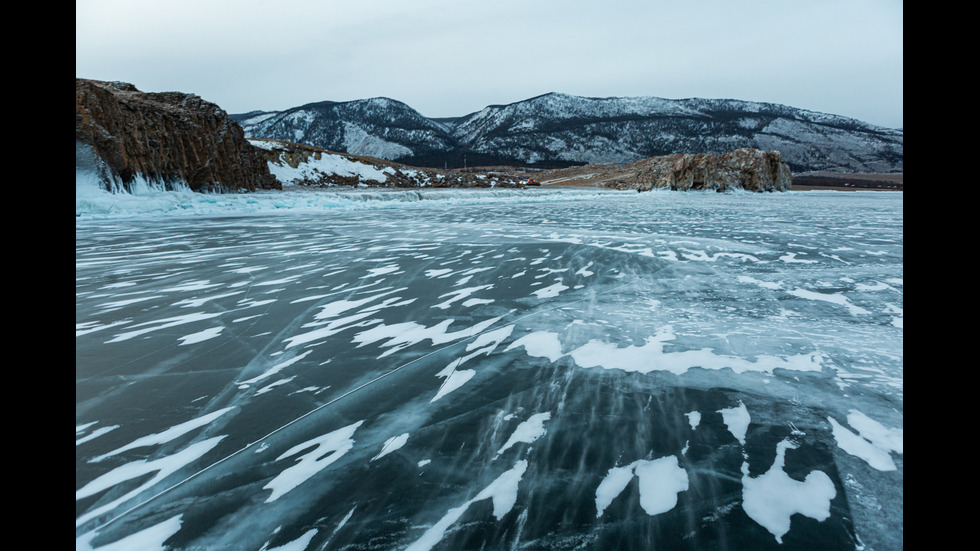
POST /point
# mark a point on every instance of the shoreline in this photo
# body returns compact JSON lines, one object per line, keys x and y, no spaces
{"x":841,"y":188}
{"x":848,"y":181}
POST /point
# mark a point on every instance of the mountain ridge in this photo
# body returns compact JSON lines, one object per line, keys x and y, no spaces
{"x":557,"y":129}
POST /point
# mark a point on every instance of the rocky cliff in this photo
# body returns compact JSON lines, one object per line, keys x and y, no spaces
{"x":744,"y":168}
{"x":167,"y":138}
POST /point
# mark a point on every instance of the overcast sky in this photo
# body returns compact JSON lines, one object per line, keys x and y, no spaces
{"x":453,"y":57}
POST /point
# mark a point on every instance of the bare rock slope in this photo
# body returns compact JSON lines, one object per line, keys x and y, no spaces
{"x":167,"y":138}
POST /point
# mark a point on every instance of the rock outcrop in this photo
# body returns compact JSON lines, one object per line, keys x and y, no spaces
{"x":168,"y":138}
{"x":745,"y":168}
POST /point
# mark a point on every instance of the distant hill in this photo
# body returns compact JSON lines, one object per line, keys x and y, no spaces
{"x":296,"y":164}
{"x":560,"y":130}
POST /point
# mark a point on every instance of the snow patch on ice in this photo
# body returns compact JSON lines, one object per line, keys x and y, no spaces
{"x":200,"y":336}
{"x":694,"y":419}
{"x":459,"y":294}
{"x":833,"y":298}
{"x":392,"y":444}
{"x":273,"y":370}
{"x":161,"y":324}
{"x":332,"y":328}
{"x":338,"y":307}
{"x":163,"y":467}
{"x":652,"y":357}
{"x":298,"y":544}
{"x":440,"y":273}
{"x":874,"y":442}
{"x":165,"y":436}
{"x":454,"y":380}
{"x":95,"y":434}
{"x":773,"y":498}
{"x":484,"y":343}
{"x":551,"y":290}
{"x":402,"y":335}
{"x":503,"y":493}
{"x":660,"y":480}
{"x":148,"y":539}
{"x":891,"y":439}
{"x":737,"y":420}
{"x":325,"y":450}
{"x":527,"y":432}
{"x":539,"y":344}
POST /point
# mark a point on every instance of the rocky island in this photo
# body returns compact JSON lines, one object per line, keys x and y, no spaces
{"x":744,"y":168}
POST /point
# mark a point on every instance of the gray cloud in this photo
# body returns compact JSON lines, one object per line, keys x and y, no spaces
{"x":448,"y":58}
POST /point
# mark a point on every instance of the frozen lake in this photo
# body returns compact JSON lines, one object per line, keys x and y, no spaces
{"x":539,"y":370}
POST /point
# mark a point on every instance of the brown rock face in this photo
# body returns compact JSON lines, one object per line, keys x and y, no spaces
{"x":167,"y":137}
{"x":750,"y":169}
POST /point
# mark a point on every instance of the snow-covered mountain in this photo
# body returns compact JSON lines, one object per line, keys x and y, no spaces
{"x":560,"y":129}
{"x":377,"y":127}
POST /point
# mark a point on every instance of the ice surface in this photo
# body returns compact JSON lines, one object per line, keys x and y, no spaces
{"x":361,"y":370}
{"x":502,"y":492}
{"x":482,"y":345}
{"x":299,"y":544}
